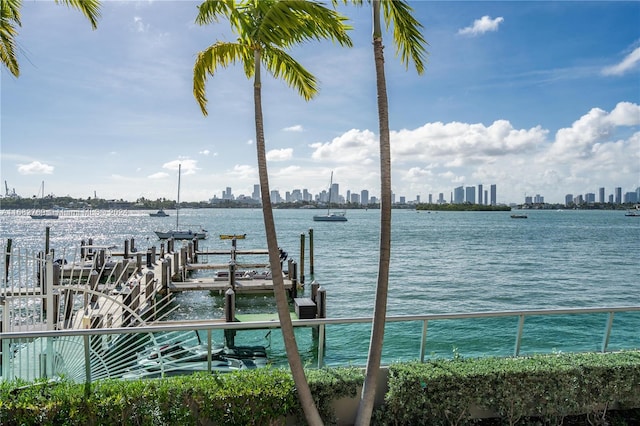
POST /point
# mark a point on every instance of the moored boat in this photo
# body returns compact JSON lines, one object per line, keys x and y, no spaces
{"x":519,"y":216}
{"x":159,"y":213}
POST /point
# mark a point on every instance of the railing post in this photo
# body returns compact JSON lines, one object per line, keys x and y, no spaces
{"x":516,"y":351}
{"x":321,"y":345}
{"x":87,"y":366}
{"x":607,"y":332}
{"x":423,"y":340}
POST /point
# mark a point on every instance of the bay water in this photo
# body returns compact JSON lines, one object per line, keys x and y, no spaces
{"x":442,"y":262}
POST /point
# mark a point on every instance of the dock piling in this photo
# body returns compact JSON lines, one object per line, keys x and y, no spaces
{"x":311,"y":253}
{"x":302,"y":241}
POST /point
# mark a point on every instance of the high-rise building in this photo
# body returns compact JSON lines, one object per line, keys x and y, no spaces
{"x":458,"y":195}
{"x":480,"y":194}
{"x":590,"y":197}
{"x":618,"y":195}
{"x":470,"y":194}
{"x":441,"y":198}
{"x":335,"y":193}
{"x":493,"y":195}
{"x":486,"y":197}
{"x":364,"y":197}
{"x":601,"y":195}
{"x":568,"y":199}
{"x":256,"y":192}
{"x":538,"y":199}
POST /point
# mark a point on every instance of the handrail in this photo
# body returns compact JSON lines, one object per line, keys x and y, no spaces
{"x":248,"y":325}
{"x":319,"y":323}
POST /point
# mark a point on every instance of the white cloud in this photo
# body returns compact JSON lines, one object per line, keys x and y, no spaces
{"x":280,"y":154}
{"x":139,"y":25}
{"x":628,"y":63}
{"x":159,"y":175}
{"x":35,"y":168}
{"x":353,"y":146}
{"x":481,"y":26}
{"x":188,"y":166}
{"x":296,"y":128}
{"x":205,"y":152}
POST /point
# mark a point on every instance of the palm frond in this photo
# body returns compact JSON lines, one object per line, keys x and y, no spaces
{"x":210,"y":10}
{"x":9,"y":21}
{"x":207,"y":62}
{"x":282,"y":65}
{"x":290,"y":22}
{"x":89,"y":8}
{"x":407,"y":35}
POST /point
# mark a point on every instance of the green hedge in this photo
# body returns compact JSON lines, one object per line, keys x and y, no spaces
{"x":549,"y":387}
{"x":247,"y":397}
{"x":437,"y":392}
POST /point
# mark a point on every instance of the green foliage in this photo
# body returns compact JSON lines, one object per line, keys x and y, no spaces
{"x":248,"y":397}
{"x":440,"y":392}
{"x":550,"y":387}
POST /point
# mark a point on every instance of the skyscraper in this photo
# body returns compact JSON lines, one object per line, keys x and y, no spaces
{"x":493,"y":195}
{"x":458,"y":195}
{"x":480,"y":194}
{"x":256,"y":192}
{"x":618,"y":195}
{"x":470,"y":194}
{"x":364,"y":197}
{"x":601,"y":195}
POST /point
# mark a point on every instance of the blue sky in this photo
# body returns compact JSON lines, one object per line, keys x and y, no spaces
{"x":535,"y":97}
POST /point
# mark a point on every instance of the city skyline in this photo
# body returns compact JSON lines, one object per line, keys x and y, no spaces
{"x":503,"y":100}
{"x":463,"y":194}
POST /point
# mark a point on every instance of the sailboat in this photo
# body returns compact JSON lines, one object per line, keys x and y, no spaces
{"x":330,"y":217}
{"x":177,"y":233}
{"x":44,"y":215}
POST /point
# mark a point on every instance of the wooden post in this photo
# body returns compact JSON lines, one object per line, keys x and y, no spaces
{"x":126,"y":249}
{"x":301,"y":258}
{"x":162,"y":253}
{"x":7,"y":261}
{"x":164,"y":283}
{"x":232,"y":274}
{"x":314,"y":290}
{"x":93,"y":283}
{"x":139,"y":262}
{"x":229,"y":316}
{"x":294,"y":281}
{"x":153,"y":255}
{"x":83,"y":250}
{"x":290,"y":268}
{"x":321,"y":303}
{"x":149,"y":261}
{"x":46,"y":240}
{"x":311,"y":253}
{"x":133,"y":245}
{"x":195,"y":250}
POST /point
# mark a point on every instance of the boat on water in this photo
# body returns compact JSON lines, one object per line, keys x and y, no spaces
{"x":634,"y":212}
{"x":178,"y":358}
{"x":159,"y":213}
{"x":182,"y":234}
{"x":43,"y":214}
{"x":519,"y":216}
{"x":330,"y":216}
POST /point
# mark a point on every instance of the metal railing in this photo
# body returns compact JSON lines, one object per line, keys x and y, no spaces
{"x":90,"y":353}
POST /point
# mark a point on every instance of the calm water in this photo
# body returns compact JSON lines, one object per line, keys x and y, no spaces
{"x":445,"y":262}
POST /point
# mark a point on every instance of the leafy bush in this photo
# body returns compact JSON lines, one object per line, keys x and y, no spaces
{"x":549,"y":387}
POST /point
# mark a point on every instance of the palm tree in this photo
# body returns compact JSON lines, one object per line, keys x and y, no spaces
{"x":265,"y":28}
{"x":10,"y":20}
{"x":411,"y":46}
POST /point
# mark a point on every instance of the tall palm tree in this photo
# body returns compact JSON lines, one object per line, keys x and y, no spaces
{"x":411,"y":45}
{"x":10,"y":20}
{"x":265,"y":28}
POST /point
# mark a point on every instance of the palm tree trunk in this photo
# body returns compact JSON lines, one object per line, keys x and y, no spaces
{"x":367,"y":400}
{"x":295,"y":363}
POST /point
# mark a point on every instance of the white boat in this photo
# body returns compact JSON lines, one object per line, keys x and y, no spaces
{"x":635,"y":212}
{"x":182,"y":234}
{"x":159,"y":213}
{"x":44,"y":215}
{"x":330,"y":217}
{"x":180,"y":359}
